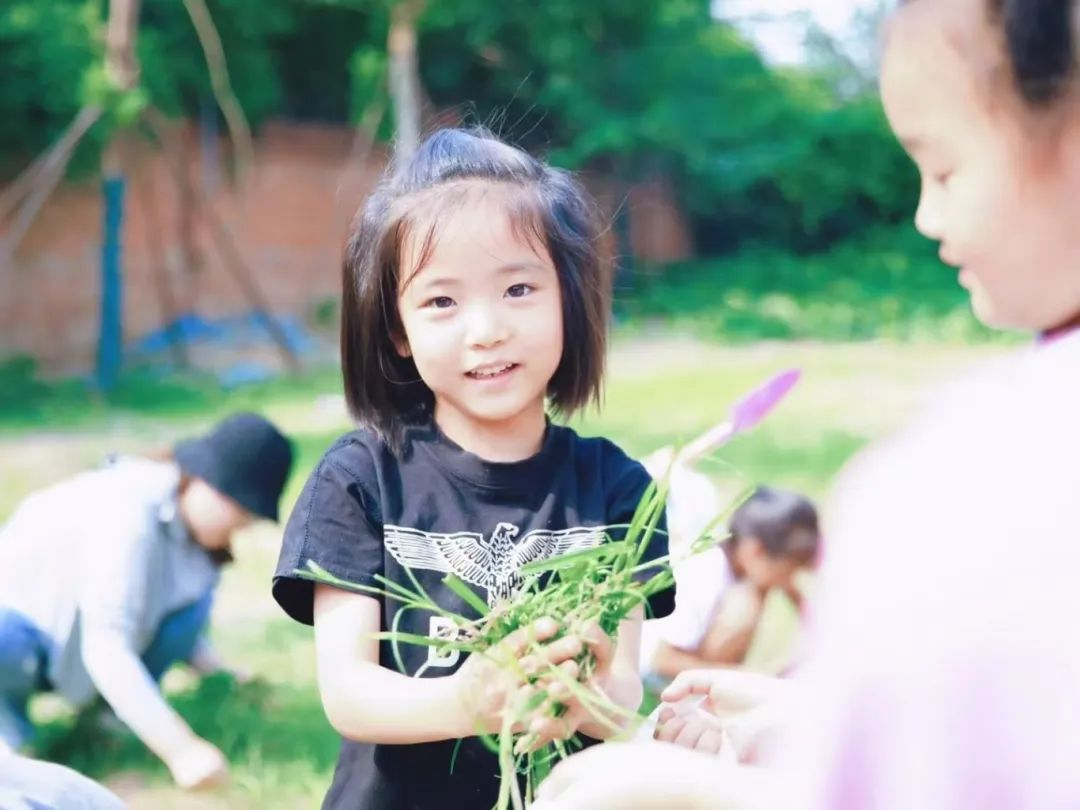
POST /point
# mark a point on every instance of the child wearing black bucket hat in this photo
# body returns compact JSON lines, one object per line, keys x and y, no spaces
{"x":107,"y":579}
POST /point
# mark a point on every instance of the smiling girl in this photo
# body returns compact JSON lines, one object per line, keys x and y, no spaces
{"x":475,"y":301}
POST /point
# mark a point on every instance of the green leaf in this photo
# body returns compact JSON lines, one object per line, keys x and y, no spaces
{"x":466,"y":593}
{"x":423,"y":641}
{"x":604,"y":551}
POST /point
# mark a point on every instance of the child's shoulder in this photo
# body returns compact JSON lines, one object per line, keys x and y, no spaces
{"x":602,"y":456}
{"x":360,"y":451}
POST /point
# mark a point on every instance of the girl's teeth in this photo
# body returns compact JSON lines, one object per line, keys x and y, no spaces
{"x":491,"y":372}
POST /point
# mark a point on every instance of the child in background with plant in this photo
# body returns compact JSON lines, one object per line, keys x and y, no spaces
{"x":474,"y":298}
{"x":773,"y":544}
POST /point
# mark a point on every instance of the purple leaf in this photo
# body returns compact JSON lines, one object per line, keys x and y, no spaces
{"x":756,"y":405}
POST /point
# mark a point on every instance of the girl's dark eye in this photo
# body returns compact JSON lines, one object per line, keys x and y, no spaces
{"x":519,"y":291}
{"x":440,"y":302}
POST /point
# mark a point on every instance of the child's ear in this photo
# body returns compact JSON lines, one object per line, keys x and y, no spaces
{"x":745,"y":550}
{"x":401,"y":345}
{"x":753,"y":548}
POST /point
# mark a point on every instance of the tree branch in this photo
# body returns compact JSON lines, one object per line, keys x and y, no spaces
{"x":214,"y":53}
{"x":39,"y":181}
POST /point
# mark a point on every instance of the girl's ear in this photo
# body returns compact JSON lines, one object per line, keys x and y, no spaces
{"x":401,"y":345}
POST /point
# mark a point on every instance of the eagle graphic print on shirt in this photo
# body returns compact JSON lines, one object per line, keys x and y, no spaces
{"x":493,"y":563}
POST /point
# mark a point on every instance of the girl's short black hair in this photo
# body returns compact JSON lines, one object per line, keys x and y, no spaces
{"x":546,"y":205}
{"x":786,"y":523}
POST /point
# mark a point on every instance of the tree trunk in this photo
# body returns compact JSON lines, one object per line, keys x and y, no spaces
{"x":405,"y":75}
{"x":122,"y":68}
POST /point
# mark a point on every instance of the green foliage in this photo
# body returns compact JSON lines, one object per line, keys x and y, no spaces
{"x":627,"y":89}
{"x":174,"y":69}
{"x":887,"y":284}
{"x":46,"y":49}
{"x":646,"y":88}
{"x":51,"y":55}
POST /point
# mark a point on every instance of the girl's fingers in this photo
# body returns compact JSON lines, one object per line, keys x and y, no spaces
{"x":727,"y":690}
{"x":598,"y":642}
{"x":540,"y":733}
{"x":549,"y":729}
{"x":667,"y":732}
{"x":711,"y":741}
{"x":551,"y":654}
{"x":691,"y":733}
{"x":521,"y":639}
{"x":557,"y":688}
{"x":693,"y":682}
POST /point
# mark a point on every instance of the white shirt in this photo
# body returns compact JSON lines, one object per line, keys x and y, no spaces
{"x":103,"y":551}
{"x":702,"y":579}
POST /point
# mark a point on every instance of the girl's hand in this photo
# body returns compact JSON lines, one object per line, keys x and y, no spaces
{"x":751,"y":707}
{"x":726,"y":691}
{"x":499,"y":680}
{"x":548,"y":724}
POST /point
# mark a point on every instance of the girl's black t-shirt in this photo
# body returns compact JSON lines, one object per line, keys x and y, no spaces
{"x":434,"y":509}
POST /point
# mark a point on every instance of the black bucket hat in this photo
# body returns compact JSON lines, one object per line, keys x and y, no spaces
{"x":245,"y":458}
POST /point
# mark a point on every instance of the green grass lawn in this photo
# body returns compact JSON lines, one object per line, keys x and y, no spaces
{"x":661,"y":391}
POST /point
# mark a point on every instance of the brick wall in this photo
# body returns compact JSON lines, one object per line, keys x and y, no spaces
{"x":288,"y":221}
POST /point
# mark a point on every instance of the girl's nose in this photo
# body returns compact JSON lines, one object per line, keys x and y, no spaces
{"x":929,"y":215}
{"x":485,"y":327}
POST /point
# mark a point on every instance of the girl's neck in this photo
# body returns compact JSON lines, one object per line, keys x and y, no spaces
{"x":505,"y":441}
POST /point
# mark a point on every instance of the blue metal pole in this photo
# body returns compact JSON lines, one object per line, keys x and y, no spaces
{"x":110,"y":339}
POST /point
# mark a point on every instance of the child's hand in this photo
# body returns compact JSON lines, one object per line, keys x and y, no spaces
{"x":752,"y":708}
{"x":548,"y":724}
{"x":491,"y":683}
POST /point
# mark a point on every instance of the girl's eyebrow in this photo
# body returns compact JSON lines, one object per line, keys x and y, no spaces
{"x":426,"y":281}
{"x":434,"y":281}
{"x":521,"y":267}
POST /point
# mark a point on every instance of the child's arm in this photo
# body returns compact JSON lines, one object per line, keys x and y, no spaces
{"x":124,"y":683}
{"x":367,"y":702}
{"x":364,"y":701}
{"x":728,"y":640}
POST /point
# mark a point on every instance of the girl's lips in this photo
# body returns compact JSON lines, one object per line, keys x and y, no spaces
{"x":491,"y":372}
